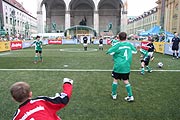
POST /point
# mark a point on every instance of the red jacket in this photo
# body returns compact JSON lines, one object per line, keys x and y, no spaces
{"x":44,"y":108}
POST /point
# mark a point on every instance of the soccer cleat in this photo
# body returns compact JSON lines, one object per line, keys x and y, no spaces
{"x":142,"y":72}
{"x":114,"y":97}
{"x":41,"y":60}
{"x":149,"y":70}
{"x":129,"y":98}
{"x":177,"y":57}
{"x":152,"y":58}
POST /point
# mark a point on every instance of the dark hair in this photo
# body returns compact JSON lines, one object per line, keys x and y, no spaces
{"x":122,"y":36}
{"x":37,"y":36}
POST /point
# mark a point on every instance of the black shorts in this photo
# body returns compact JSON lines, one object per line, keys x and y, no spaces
{"x":146,"y":60}
{"x":120,"y":76}
{"x":38,"y":51}
{"x":175,"y":47}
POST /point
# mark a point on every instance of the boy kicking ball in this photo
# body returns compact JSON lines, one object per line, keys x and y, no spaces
{"x":145,"y":59}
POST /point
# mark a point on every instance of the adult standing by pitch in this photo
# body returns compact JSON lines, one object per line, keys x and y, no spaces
{"x":175,"y":45}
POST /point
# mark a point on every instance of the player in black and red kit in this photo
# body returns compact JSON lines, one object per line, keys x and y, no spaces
{"x":40,"y":108}
{"x":85,"y":42}
{"x":101,"y":43}
{"x":151,"y":48}
{"x":175,"y":45}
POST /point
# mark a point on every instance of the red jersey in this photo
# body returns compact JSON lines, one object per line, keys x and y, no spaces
{"x":44,"y":108}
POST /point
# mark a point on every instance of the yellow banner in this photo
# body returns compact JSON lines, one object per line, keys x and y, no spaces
{"x":159,"y":46}
{"x":4,"y":46}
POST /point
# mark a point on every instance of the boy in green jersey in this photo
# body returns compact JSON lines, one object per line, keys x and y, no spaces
{"x":38,"y":49}
{"x":145,"y":59}
{"x":122,"y":57}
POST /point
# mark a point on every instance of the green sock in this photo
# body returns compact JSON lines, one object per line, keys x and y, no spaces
{"x":36,"y":58}
{"x":148,"y":68}
{"x":114,"y":88}
{"x":129,"y":90}
{"x":142,"y":70}
{"x":40,"y":57}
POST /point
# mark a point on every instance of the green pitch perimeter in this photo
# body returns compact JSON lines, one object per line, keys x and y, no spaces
{"x":156,"y":94}
{"x":78,"y":50}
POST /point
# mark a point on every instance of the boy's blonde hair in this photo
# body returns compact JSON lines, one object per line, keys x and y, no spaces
{"x":20,"y":91}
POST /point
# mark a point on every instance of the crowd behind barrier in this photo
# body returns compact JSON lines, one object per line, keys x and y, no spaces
{"x":161,"y":47}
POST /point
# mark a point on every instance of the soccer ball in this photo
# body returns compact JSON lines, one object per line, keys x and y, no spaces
{"x":160,"y":64}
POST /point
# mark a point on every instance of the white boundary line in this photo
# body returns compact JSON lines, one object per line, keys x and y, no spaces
{"x":79,"y":70}
{"x":2,"y":54}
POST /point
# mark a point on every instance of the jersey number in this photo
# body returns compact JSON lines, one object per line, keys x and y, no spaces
{"x":126,"y":54}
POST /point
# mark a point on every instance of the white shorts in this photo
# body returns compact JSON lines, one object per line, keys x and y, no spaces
{"x":100,"y":45}
{"x":150,"y":54}
{"x":85,"y":44}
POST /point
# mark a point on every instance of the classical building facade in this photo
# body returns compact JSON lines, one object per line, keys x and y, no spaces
{"x":15,"y":20}
{"x":166,"y":14}
{"x":143,"y":22}
{"x":169,"y":15}
{"x":98,"y":14}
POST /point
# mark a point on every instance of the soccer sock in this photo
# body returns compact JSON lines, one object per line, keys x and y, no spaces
{"x":36,"y":58}
{"x":173,"y":54}
{"x":142,"y":69}
{"x":114,"y":88}
{"x":177,"y":54}
{"x":40,"y":57}
{"x":129,"y":90}
{"x":147,"y":67}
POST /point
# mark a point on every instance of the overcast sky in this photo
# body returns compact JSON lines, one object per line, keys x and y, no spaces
{"x":135,"y":7}
{"x":138,"y":7}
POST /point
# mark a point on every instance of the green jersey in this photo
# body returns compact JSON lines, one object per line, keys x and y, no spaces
{"x":122,"y":56}
{"x":114,"y":42}
{"x":38,"y":45}
{"x":145,"y":53}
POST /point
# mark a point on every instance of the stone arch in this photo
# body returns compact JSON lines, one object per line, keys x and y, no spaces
{"x":109,"y":12}
{"x":55,"y":15}
{"x":81,"y":10}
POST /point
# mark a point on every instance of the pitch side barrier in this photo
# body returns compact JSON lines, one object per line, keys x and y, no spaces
{"x":161,"y":47}
{"x":4,"y":46}
{"x":16,"y":45}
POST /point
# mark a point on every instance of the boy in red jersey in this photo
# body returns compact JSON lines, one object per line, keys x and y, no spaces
{"x":39,"y":108}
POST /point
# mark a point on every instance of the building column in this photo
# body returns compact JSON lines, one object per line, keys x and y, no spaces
{"x":167,"y":16}
{"x":171,"y":16}
{"x":178,"y":18}
{"x":67,"y":20}
{"x":124,"y":21}
{"x":48,"y":24}
{"x":40,"y":21}
{"x":96,"y":21}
